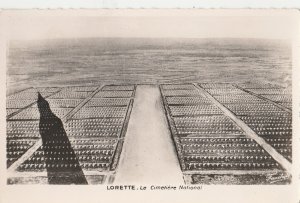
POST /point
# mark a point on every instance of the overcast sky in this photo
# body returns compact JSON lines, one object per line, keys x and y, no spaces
{"x":183,"y":24}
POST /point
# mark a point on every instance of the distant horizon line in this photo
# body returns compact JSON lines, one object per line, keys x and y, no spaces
{"x":191,"y":38}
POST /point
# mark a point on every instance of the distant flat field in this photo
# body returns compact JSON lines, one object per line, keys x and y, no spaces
{"x":96,"y":61}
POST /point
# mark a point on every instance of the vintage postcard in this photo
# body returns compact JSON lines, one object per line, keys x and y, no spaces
{"x":151,"y":102}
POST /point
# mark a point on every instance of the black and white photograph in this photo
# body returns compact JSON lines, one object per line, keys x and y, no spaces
{"x":175,"y":98}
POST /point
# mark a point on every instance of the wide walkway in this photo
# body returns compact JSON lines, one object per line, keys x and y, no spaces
{"x":148,"y":155}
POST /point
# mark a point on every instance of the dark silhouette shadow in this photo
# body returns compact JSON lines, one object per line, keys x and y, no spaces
{"x":61,"y":162}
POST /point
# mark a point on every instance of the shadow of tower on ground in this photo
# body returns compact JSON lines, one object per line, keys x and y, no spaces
{"x":61,"y":162}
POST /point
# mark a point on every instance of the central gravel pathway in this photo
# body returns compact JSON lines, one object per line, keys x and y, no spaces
{"x":148,"y":155}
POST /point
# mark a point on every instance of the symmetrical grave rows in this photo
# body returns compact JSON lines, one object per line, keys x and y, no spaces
{"x":95,"y":130}
{"x":210,"y":146}
{"x":266,"y":119}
